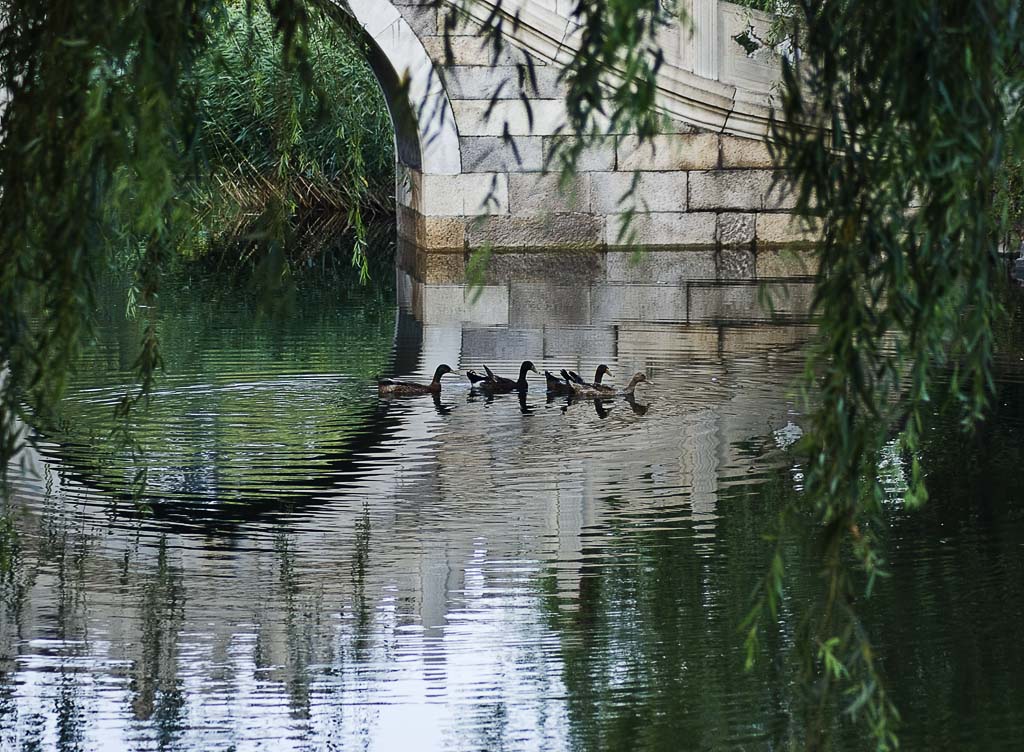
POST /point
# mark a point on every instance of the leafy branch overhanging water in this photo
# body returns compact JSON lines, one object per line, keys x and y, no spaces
{"x":891,"y":106}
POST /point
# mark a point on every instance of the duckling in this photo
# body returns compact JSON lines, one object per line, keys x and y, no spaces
{"x":393,"y":388}
{"x":590,"y":392}
{"x":494,"y":383}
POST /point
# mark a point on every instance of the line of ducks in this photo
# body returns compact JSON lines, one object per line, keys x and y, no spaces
{"x":570,"y":383}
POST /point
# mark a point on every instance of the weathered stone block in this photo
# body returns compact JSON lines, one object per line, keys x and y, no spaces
{"x":543,"y":83}
{"x":673,"y":267}
{"x":473,"y":50}
{"x":735,"y":229}
{"x":684,"y":151}
{"x":743,"y":190}
{"x":780,"y":196}
{"x":422,"y":19}
{"x":745,"y":152}
{"x":502,"y":82}
{"x":599,"y":156}
{"x":785,"y":262}
{"x":472,"y":117}
{"x":408,"y":186}
{"x":556,"y":230}
{"x":662,"y":229}
{"x":677,"y":126}
{"x":724,"y":302}
{"x":532,"y":194}
{"x":654,"y":191}
{"x":469,"y":194}
{"x":409,"y":223}
{"x":442,"y":232}
{"x":779,"y":229}
{"x":481,"y":82}
{"x":735,"y":264}
{"x":495,"y":154}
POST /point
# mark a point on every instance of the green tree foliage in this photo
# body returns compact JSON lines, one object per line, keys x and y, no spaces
{"x":896,"y":124}
{"x":107,"y":140}
{"x":897,"y":120}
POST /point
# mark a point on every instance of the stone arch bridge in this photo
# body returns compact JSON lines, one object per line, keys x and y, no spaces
{"x":704,"y":183}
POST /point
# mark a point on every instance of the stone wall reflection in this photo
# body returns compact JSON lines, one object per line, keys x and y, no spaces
{"x":427,"y":569}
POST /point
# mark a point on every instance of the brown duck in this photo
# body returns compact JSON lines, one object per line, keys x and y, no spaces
{"x":591,"y":391}
{"x":393,"y":388}
{"x":494,"y":383}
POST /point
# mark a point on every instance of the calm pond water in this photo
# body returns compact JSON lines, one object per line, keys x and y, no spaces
{"x":323,"y":569}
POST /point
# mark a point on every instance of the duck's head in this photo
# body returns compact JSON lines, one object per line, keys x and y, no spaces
{"x":601,"y":371}
{"x":527,"y":366}
{"x":442,"y":370}
{"x":640,"y":378}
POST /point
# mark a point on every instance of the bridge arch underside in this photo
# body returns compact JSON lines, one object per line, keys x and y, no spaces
{"x":471,"y":171}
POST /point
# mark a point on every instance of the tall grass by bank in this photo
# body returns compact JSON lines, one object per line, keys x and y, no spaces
{"x":279,"y":157}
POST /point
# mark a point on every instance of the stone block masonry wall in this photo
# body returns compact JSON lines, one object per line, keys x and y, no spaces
{"x":693,"y":188}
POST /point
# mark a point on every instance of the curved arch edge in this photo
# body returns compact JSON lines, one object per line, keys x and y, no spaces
{"x":436,"y":128}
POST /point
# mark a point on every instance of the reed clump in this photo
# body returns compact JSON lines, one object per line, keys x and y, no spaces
{"x":283,"y":150}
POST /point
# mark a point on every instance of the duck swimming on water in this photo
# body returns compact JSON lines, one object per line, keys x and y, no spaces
{"x":591,"y":391}
{"x":602,"y":369}
{"x":393,"y":388}
{"x":494,"y":383}
{"x":557,"y":385}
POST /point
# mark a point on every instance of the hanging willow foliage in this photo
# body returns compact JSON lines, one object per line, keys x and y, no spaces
{"x":897,"y":125}
{"x":894,"y":127}
{"x":100,"y":119}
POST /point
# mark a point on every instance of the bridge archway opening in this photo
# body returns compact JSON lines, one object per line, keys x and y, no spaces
{"x":426,"y":137}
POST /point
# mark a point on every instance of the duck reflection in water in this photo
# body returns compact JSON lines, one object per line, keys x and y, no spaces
{"x":604,"y":405}
{"x":603,"y":408}
{"x":488,"y":396}
{"x":439,"y":406}
{"x":524,"y":408}
{"x":635,"y":406}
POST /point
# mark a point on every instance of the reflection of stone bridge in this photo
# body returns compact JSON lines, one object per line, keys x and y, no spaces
{"x":705,"y":182}
{"x":709,"y":428}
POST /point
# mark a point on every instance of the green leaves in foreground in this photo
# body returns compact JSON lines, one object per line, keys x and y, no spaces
{"x":131,"y":127}
{"x":895,"y":125}
{"x":98,"y":143}
{"x":895,"y":128}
